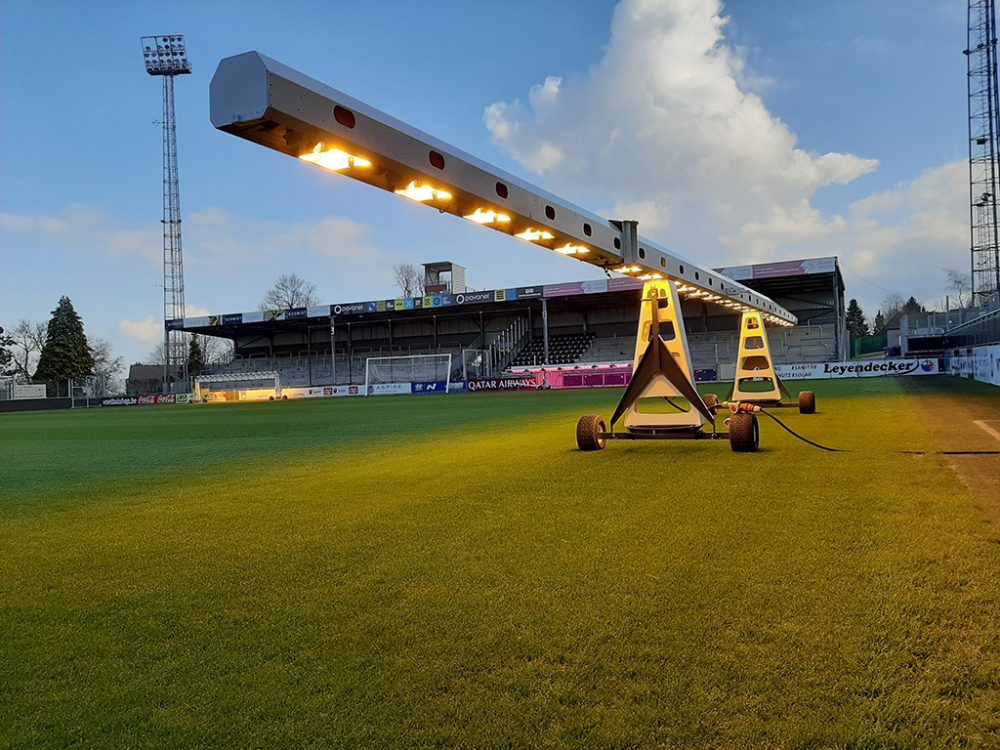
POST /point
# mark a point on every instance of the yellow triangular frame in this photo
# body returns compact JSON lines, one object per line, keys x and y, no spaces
{"x":661,"y":367}
{"x":754,"y":361}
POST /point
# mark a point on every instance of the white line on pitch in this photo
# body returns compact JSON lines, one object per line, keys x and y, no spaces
{"x":990,"y":430}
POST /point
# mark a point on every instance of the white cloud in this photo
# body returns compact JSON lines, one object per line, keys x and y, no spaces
{"x":85,"y":228}
{"x":215,"y":237}
{"x":668,"y":124}
{"x":146,"y":330}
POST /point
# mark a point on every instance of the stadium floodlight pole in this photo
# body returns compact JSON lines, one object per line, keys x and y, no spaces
{"x":166,"y":56}
{"x":263,"y":101}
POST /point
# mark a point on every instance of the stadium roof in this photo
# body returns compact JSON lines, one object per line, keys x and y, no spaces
{"x":794,"y":275}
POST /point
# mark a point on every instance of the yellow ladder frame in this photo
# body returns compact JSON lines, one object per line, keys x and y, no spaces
{"x":661,"y":367}
{"x":753,"y":360}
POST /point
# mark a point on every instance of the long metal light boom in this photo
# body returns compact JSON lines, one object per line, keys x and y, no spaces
{"x":257,"y":98}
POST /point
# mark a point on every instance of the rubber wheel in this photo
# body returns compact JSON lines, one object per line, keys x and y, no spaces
{"x":807,"y":402}
{"x":744,"y":433}
{"x":711,"y":400}
{"x":588,"y":433}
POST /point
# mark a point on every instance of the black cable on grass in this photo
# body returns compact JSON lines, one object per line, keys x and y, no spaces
{"x":792,"y":432}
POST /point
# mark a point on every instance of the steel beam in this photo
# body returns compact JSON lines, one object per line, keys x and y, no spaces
{"x":263,"y":101}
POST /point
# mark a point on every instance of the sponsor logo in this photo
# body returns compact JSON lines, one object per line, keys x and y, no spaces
{"x":184,"y":398}
{"x":215,"y":320}
{"x":502,"y":384}
{"x":526,"y":292}
{"x":410,"y":303}
{"x":434,"y":386}
{"x":468,"y":298}
{"x":166,"y":398}
{"x":145,"y":400}
{"x":446,"y":299}
{"x":354,"y":307}
{"x":890,"y":367}
{"x":120,"y":401}
{"x":328,"y":391}
{"x":296,"y":314}
{"x":436,"y":301}
{"x":234,"y":319}
{"x":500,"y":295}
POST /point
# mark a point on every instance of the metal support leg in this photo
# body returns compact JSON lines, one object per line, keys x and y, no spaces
{"x":545,"y":332}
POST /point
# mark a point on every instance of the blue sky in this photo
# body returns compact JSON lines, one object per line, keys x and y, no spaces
{"x":741,"y":132}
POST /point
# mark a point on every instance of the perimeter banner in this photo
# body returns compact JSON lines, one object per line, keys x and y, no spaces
{"x":860,"y":369}
{"x":502,"y":384}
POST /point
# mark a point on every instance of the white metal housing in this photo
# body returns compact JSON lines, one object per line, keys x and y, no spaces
{"x":259,"y":99}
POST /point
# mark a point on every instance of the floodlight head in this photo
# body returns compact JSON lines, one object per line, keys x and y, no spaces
{"x":165,"y":55}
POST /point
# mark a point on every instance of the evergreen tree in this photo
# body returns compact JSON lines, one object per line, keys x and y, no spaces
{"x":66,"y":354}
{"x":857,"y":326}
{"x":196,"y":359}
{"x":879,"y":326}
{"x":912,"y":306}
{"x":7,"y":364}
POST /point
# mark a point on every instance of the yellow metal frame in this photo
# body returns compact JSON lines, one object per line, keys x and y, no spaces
{"x":662,"y":365}
{"x":754,"y":362}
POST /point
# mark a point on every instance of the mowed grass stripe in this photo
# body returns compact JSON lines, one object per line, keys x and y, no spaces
{"x":506,"y":590}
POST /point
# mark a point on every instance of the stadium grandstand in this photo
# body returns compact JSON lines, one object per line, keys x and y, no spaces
{"x":585,"y":324}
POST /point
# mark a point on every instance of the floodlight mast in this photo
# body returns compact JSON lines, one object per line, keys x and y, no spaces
{"x":166,"y":56}
{"x":261,"y":100}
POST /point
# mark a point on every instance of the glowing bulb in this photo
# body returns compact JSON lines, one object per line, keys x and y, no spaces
{"x":334,"y":159}
{"x":488,"y":217}
{"x":533,"y":235}
{"x":422,"y":193}
{"x":569,"y":249}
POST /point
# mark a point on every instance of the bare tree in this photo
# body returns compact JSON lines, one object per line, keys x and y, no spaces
{"x":892,"y":307}
{"x":215,"y":350}
{"x":29,"y":338}
{"x":155,"y":356}
{"x":409,"y":279}
{"x":290,"y":290}
{"x":959,"y":286}
{"x":107,"y":367}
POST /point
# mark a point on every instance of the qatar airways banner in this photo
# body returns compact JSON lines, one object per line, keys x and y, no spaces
{"x":502,"y":384}
{"x":864,"y":369}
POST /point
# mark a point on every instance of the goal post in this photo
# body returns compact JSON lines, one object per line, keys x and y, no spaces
{"x":238,"y":386}
{"x":391,"y":372}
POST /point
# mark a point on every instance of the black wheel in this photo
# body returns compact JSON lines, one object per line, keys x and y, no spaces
{"x":744,"y":433}
{"x":284,"y":398}
{"x":588,"y":433}
{"x":711,"y":400}
{"x":807,"y":402}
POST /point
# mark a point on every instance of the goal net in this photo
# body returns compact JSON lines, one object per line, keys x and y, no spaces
{"x":401,"y":371}
{"x":238,"y":386}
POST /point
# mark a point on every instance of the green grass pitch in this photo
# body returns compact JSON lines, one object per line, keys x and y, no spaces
{"x":450,"y":572}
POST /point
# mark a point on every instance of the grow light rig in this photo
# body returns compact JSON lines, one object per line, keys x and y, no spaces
{"x":263,"y":101}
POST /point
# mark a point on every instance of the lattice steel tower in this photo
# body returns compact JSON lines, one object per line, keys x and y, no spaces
{"x":984,"y":175}
{"x":166,"y":56}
